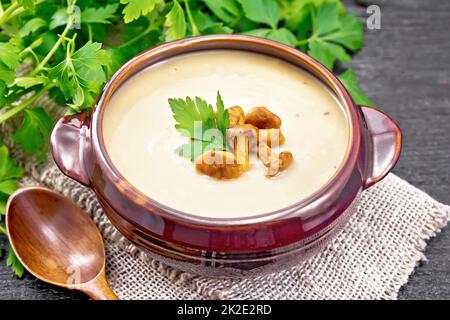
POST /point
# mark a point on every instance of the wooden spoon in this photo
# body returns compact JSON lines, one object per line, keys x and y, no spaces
{"x":57,"y":242}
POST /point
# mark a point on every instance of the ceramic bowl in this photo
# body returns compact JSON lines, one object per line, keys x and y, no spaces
{"x":229,"y":247}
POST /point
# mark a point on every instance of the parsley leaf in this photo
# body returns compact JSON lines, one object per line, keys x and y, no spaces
{"x":332,"y":34}
{"x":99,"y":15}
{"x":189,"y":113}
{"x":222,"y":116}
{"x":9,"y":61}
{"x":263,"y":11}
{"x":175,"y":24}
{"x":349,"y":80}
{"x":14,"y":263}
{"x":226,"y":10}
{"x":350,"y":34}
{"x":327,"y":53}
{"x":194,"y":148}
{"x":282,"y":35}
{"x":31,"y":26}
{"x":27,"y":4}
{"x":194,"y":118}
{"x":34,"y":133}
{"x":136,"y":8}
{"x":9,"y":173}
{"x":208,"y":25}
{"x":80,"y":76}
{"x":3,"y":93}
{"x":59,"y":18}
{"x":28,"y":82}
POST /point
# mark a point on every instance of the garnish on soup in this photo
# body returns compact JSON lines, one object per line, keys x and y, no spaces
{"x":222,"y":141}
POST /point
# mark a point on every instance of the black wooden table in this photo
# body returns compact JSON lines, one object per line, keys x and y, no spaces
{"x":405,"y":68}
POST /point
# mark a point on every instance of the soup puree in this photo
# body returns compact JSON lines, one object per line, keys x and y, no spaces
{"x":141,"y":139}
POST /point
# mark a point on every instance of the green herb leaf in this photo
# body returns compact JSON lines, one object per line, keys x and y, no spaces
{"x":14,"y":263}
{"x":349,"y":80}
{"x":34,"y":133}
{"x":59,"y":18}
{"x":350,"y":34}
{"x":195,"y":119}
{"x":175,"y":24}
{"x":27,"y":4}
{"x":9,"y":173}
{"x":225,"y":10}
{"x":8,"y":169}
{"x":9,"y":61}
{"x":31,"y":26}
{"x":137,"y":8}
{"x":262,"y":32}
{"x":333,"y":34}
{"x":194,"y":148}
{"x":327,"y":53}
{"x":327,"y":19}
{"x":8,"y":186}
{"x":80,"y":76}
{"x":282,"y":35}
{"x":222,"y":116}
{"x":189,"y":113}
{"x":3,"y":93}
{"x":263,"y":11}
{"x":208,"y":25}
{"x":28,"y":82}
{"x":6,"y":75}
{"x":100,"y":15}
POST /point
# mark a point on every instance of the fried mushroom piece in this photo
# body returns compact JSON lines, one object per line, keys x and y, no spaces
{"x":286,"y":159}
{"x":219,"y":165}
{"x":243,"y":139}
{"x":237,"y":116}
{"x":275,"y":163}
{"x":263,"y":118}
{"x":271,"y":137}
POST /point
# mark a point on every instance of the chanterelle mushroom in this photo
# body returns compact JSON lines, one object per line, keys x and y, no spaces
{"x":243,"y":138}
{"x":219,"y":165}
{"x":263,"y":118}
{"x":274,"y":162}
{"x":237,"y":116}
{"x":271,"y":137}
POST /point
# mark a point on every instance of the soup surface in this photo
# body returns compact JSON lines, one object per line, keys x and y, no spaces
{"x":141,"y":139}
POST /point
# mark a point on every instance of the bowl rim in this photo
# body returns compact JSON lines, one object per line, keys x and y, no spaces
{"x":219,"y":42}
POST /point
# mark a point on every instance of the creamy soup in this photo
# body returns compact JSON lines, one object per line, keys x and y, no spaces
{"x":141,"y":139}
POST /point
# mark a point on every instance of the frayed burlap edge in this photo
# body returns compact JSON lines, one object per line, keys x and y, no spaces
{"x":439,"y":219}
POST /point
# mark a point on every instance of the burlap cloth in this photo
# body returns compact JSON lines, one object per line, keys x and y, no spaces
{"x":370,"y":259}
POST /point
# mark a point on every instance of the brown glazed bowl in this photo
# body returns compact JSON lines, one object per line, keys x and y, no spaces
{"x":229,"y":247}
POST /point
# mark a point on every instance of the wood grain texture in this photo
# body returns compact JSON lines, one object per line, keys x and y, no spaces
{"x":405,"y":68}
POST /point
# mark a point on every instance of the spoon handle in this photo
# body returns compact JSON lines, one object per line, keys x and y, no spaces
{"x":99,"y":289}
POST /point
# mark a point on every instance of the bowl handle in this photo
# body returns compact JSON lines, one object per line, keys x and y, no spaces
{"x":70,"y":146}
{"x":384,"y":144}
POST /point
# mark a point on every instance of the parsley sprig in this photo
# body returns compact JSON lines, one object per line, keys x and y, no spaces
{"x":196,"y":119}
{"x":67,"y":49}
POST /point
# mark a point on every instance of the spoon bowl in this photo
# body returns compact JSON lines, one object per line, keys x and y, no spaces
{"x":57,"y":242}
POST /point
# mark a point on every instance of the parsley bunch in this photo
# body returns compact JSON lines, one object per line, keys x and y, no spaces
{"x":67,"y":49}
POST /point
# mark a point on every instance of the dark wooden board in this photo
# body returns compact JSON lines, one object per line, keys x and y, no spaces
{"x":405,"y":68}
